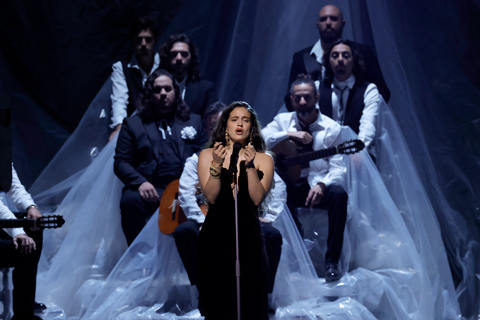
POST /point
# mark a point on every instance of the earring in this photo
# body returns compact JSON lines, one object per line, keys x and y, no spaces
{"x":227,"y":138}
{"x":251,"y":137}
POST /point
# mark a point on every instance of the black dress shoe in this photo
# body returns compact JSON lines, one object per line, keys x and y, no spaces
{"x":332,"y":272}
{"x":38,"y":307}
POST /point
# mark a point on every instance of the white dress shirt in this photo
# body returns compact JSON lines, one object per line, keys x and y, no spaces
{"x":325,"y":132}
{"x":317,"y":51}
{"x":119,"y":94}
{"x":20,"y":198}
{"x":371,"y":100}
{"x":188,"y":199}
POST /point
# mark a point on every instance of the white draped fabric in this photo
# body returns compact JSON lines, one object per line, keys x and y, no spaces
{"x":89,"y":275}
{"x":394,"y":254}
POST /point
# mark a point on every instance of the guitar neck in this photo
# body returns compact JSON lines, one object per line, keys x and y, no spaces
{"x":17,"y":223}
{"x":305,"y":158}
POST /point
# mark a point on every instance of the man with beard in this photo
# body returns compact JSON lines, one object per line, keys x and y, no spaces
{"x":152,"y":148}
{"x":128,"y":78}
{"x":344,"y":94}
{"x":319,"y":184}
{"x":179,"y":56}
{"x":309,"y":60}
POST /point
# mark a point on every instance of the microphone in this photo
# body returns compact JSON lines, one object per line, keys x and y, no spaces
{"x":234,"y":157}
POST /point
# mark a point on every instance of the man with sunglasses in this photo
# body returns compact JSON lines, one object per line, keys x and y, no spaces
{"x":178,"y":55}
{"x":128,"y":78}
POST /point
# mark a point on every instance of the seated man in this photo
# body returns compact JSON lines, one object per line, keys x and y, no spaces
{"x":152,"y":148}
{"x":128,"y":77}
{"x":319,"y":184}
{"x":178,"y":56}
{"x":345,"y":96}
{"x":186,"y":234}
{"x":21,"y":251}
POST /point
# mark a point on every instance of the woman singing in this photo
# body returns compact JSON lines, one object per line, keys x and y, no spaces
{"x":217,"y":250}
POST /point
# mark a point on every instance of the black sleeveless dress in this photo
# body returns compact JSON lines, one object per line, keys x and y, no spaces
{"x":217,"y":256}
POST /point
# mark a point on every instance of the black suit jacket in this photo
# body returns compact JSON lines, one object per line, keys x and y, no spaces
{"x":138,"y":148}
{"x":199,"y":95}
{"x":305,"y":63}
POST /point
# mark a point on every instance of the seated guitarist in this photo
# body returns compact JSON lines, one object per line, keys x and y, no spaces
{"x":186,"y":234}
{"x":151,"y":149}
{"x":19,"y":250}
{"x":319,"y":184}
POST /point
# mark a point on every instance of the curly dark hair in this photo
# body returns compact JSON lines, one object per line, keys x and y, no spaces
{"x":218,"y":134}
{"x":145,"y":108}
{"x":358,"y":63}
{"x":193,"y":68}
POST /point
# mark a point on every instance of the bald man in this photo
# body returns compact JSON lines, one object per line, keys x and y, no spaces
{"x":330,"y":26}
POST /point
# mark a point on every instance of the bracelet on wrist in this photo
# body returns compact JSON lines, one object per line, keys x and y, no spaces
{"x":215,"y":172}
{"x":31,"y":206}
{"x":250,"y":165}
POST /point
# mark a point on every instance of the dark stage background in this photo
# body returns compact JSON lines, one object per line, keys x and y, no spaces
{"x":56,"y":55}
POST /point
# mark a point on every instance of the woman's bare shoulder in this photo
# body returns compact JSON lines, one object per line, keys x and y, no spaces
{"x":264,"y":157}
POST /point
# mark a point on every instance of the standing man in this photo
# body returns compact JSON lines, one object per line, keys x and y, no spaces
{"x":152,"y":148}
{"x":21,"y":250}
{"x":179,"y":56}
{"x":309,"y":60}
{"x":345,"y":96}
{"x":319,"y":184}
{"x":128,"y":78}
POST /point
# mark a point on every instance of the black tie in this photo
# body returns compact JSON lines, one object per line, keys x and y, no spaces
{"x":341,"y":109}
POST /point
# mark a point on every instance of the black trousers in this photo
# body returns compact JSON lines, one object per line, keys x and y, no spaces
{"x":334,"y":200}
{"x":24,"y":275}
{"x":136,"y":212}
{"x":186,"y":239}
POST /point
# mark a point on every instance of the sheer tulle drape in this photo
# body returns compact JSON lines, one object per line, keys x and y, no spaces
{"x":90,"y":275}
{"x":395,"y":218}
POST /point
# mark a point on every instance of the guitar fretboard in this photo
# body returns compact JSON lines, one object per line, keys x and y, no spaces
{"x":16,"y":223}
{"x":305,"y":158}
{"x":54,"y":221}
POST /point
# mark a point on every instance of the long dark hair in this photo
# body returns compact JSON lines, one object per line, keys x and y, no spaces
{"x":193,"y":68}
{"x":218,"y":134}
{"x":145,"y":108}
{"x":358,"y":63}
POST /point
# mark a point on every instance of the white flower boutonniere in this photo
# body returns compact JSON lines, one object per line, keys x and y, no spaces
{"x":188,"y":133}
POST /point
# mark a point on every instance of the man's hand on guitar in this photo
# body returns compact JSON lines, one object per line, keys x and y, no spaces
{"x":148,"y":192}
{"x":27,"y":245}
{"x":301,"y":136}
{"x":315,"y":195}
{"x":34,"y":213}
{"x":218,"y":155}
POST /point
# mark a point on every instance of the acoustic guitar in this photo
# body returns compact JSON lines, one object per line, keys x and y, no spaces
{"x":45,"y":222}
{"x":170,"y":214}
{"x":290,"y":160}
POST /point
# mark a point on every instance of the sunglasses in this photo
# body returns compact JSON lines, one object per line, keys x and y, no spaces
{"x":139,"y":40}
{"x":173,"y":54}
